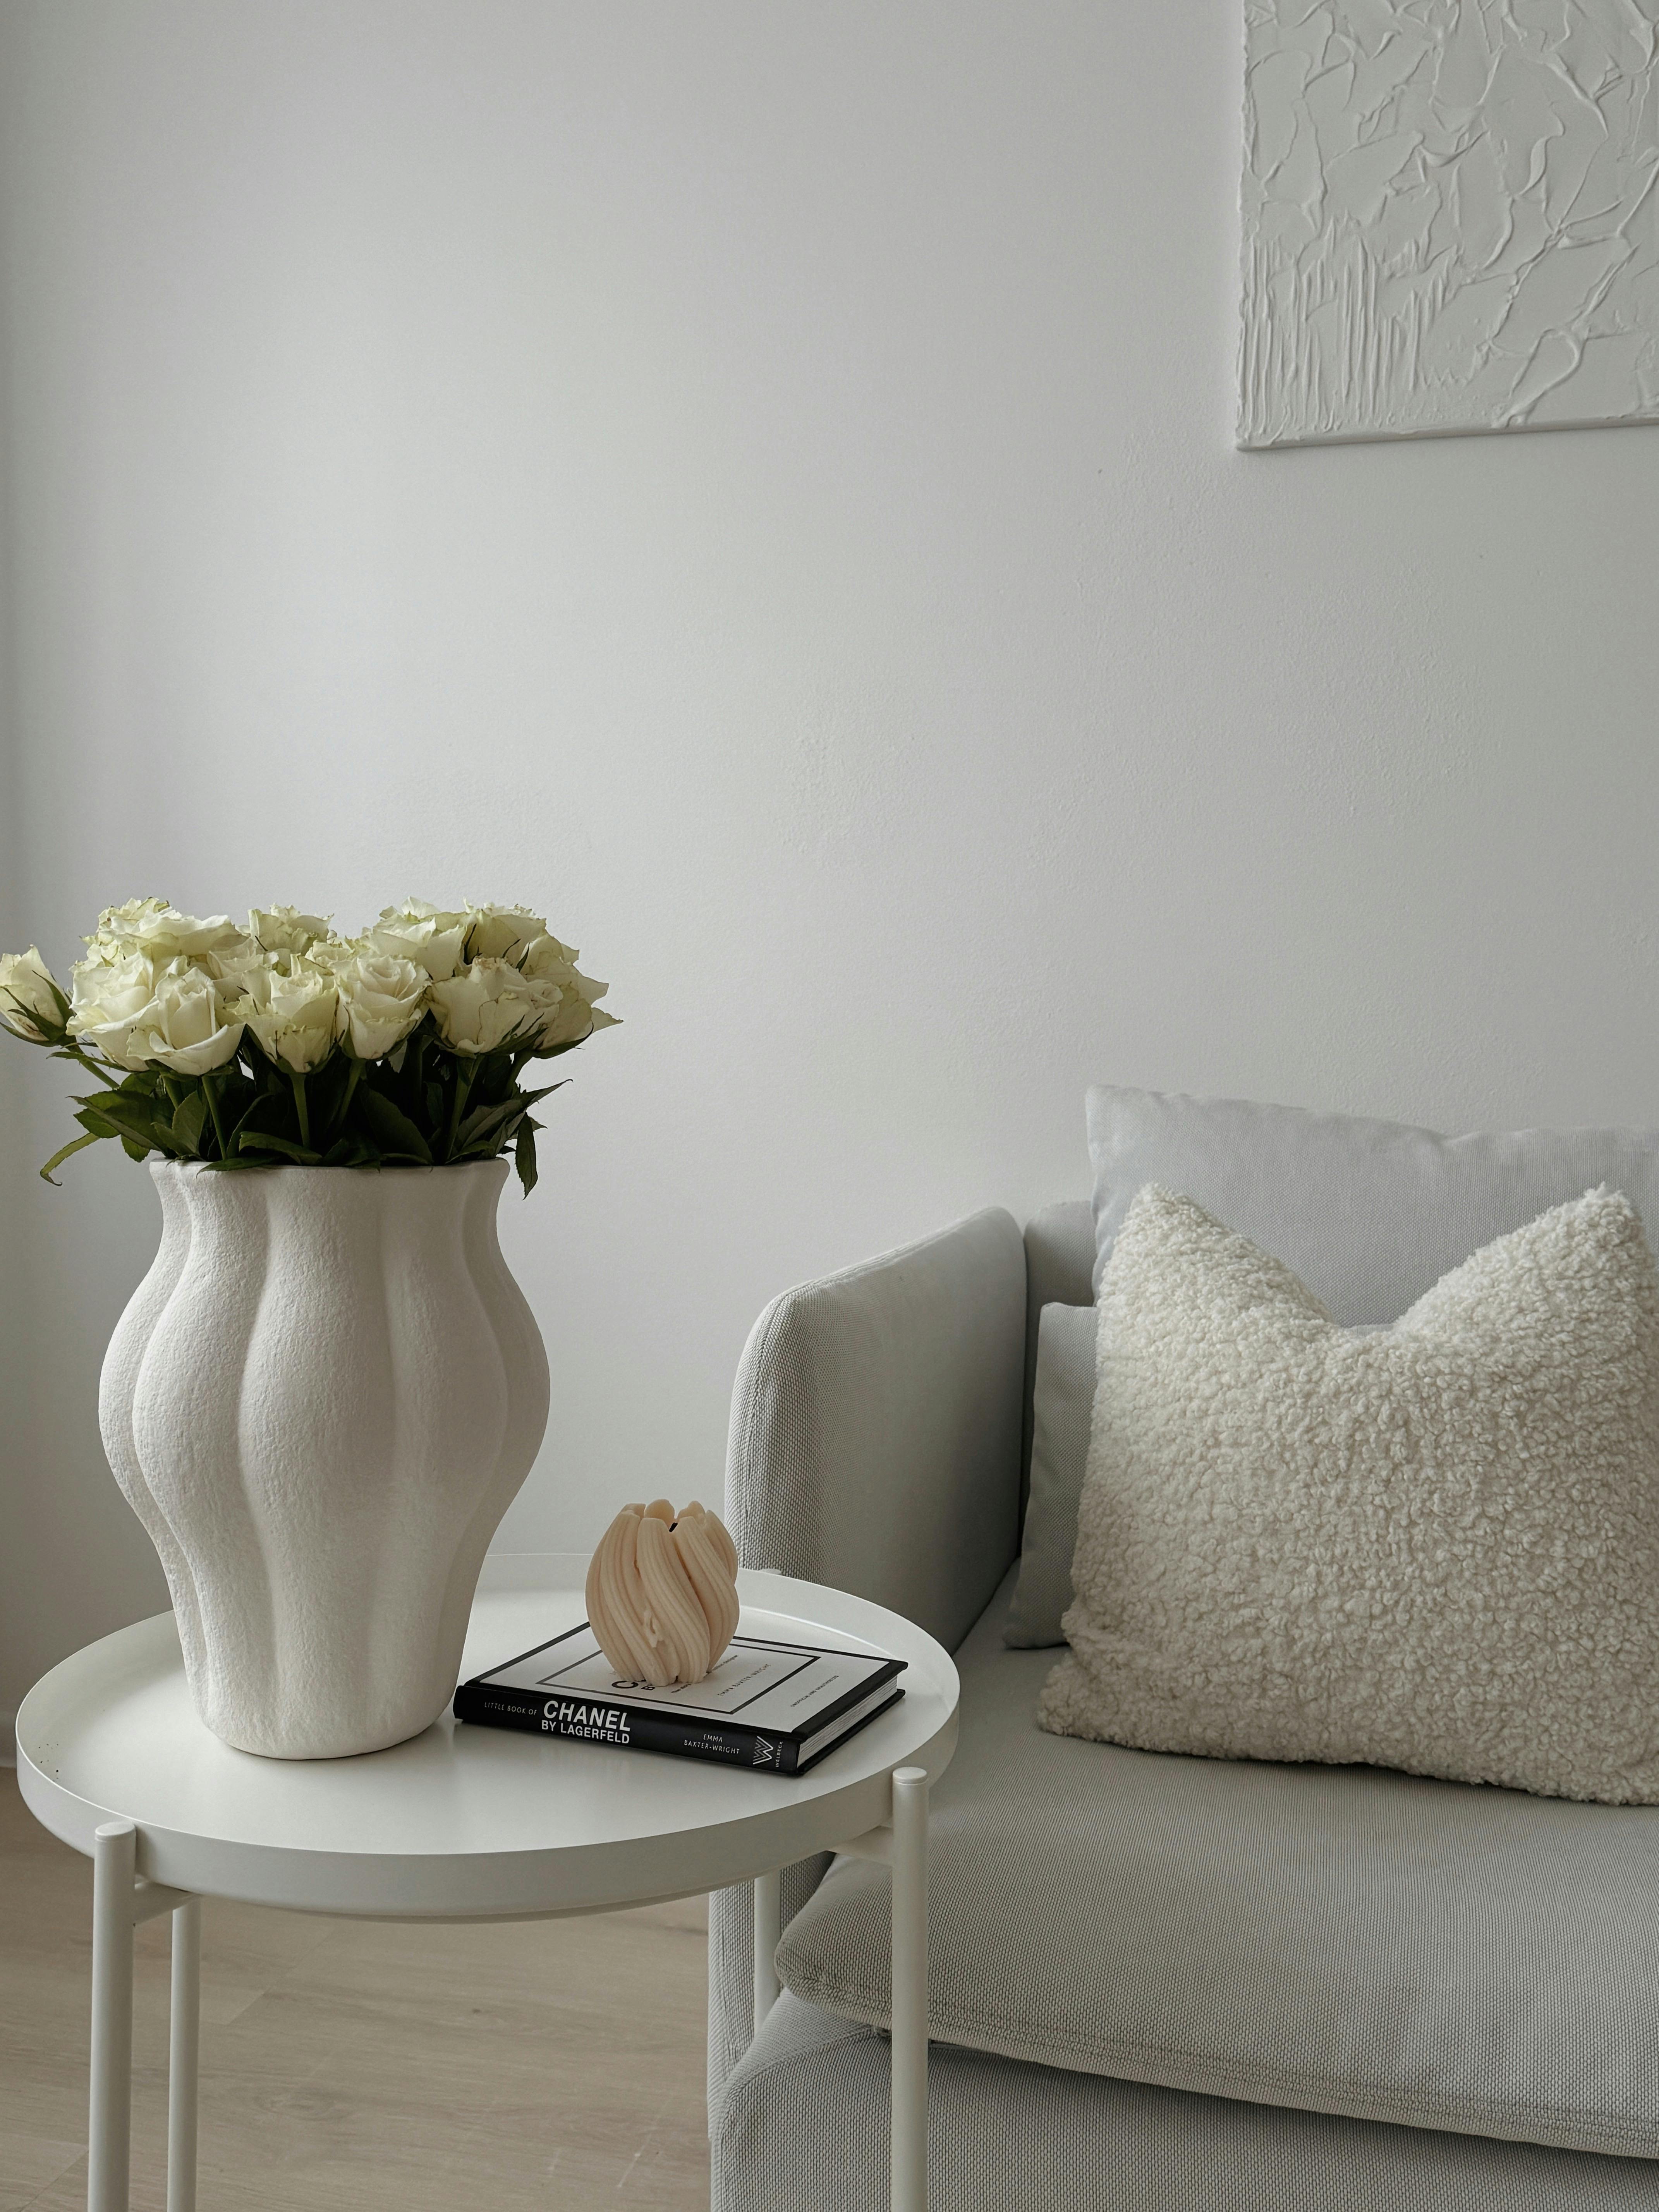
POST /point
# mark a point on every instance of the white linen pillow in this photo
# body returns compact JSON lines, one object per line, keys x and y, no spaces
{"x":1370,"y":1214}
{"x":1062,"y":1399}
{"x":1433,"y":1546}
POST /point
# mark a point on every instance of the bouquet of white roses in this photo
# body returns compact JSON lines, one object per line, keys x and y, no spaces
{"x":283,"y":1044}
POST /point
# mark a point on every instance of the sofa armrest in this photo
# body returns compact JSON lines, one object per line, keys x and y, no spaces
{"x":875,"y":1446}
{"x":875,"y":1439}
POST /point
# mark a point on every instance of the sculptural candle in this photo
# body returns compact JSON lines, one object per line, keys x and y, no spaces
{"x":662,"y":1593}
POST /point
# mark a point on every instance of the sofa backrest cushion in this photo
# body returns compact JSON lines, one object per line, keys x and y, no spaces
{"x":1369,"y":1214}
{"x":1062,"y":1405}
{"x":1060,"y":1258}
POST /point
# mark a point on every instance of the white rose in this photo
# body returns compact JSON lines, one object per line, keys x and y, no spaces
{"x":114,"y":1006}
{"x":152,"y":926}
{"x":575,"y":1020}
{"x":545,"y":956}
{"x":285,"y":929}
{"x":330,"y":953}
{"x":503,"y":933}
{"x":572,"y":1015}
{"x":292,"y":1016}
{"x":415,"y":931}
{"x":487,"y":1003}
{"x":31,"y":1004}
{"x":170,"y":934}
{"x":188,"y":1033}
{"x":116,"y":933}
{"x":381,"y":999}
{"x":232,"y":969}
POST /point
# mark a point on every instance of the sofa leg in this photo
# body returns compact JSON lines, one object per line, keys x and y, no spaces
{"x":909,"y":2182}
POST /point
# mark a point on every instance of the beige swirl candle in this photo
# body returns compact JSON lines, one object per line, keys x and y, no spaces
{"x":662,"y":1593}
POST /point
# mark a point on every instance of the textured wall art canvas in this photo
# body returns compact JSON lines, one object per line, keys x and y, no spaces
{"x":1451,"y":217}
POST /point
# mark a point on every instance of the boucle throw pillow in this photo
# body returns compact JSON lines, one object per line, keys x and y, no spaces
{"x":1432,"y":1546}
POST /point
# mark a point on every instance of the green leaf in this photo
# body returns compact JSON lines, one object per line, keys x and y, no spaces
{"x":262,"y":1140}
{"x":268,"y":1112}
{"x":113,"y":1114}
{"x":489,"y":1129}
{"x":235,"y":1093}
{"x":215,"y":1090}
{"x":495,"y":1077}
{"x":490,"y":1125}
{"x":457,"y":1098}
{"x":350,"y":1152}
{"x":297,"y":1085}
{"x":524,"y":1154}
{"x":59,"y":1157}
{"x":338,"y":1103}
{"x":188,"y":1121}
{"x":392,"y":1131}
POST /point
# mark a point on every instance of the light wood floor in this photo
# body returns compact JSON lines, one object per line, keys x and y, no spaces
{"x":353,"y":2067}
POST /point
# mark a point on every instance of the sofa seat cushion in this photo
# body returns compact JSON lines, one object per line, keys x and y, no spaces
{"x":1341,"y":1939}
{"x":804,"y":2127}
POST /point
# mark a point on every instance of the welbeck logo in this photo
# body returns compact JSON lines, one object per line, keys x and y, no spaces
{"x":766,"y":1754}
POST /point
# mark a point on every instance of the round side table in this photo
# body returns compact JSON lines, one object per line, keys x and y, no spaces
{"x":464,"y":1823}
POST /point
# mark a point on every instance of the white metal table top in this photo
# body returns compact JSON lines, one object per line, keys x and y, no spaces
{"x":463,"y":1822}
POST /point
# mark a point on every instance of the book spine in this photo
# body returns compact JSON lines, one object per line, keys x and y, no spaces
{"x":623,"y":1729}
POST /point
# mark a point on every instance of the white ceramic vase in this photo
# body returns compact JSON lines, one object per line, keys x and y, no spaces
{"x":321,"y":1401}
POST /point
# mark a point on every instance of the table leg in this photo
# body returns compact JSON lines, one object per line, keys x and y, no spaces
{"x":109,"y":2117}
{"x":768,"y":1933}
{"x":910,"y":2177}
{"x":184,"y":2053}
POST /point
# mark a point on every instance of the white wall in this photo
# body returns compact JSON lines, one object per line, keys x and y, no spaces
{"x":756,"y":481}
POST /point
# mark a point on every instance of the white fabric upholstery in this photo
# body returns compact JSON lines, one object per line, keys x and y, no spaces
{"x":732,"y":1965}
{"x":799,"y":2124}
{"x":1370,"y":1214}
{"x":804,"y":2128}
{"x":1062,"y":1401}
{"x":1336,"y":1939}
{"x":875,"y":1446}
{"x":1433,"y":1546}
{"x":876,"y":1426}
{"x":1060,"y":1258}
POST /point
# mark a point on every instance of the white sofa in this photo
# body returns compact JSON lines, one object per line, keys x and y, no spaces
{"x":1171,"y":1984}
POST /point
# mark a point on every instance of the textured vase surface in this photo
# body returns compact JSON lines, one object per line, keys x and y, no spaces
{"x":321,"y":1401}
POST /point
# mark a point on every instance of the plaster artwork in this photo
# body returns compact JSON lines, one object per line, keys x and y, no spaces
{"x":1450,"y":217}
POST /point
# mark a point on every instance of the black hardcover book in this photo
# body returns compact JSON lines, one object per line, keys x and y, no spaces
{"x":776,"y":1706}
